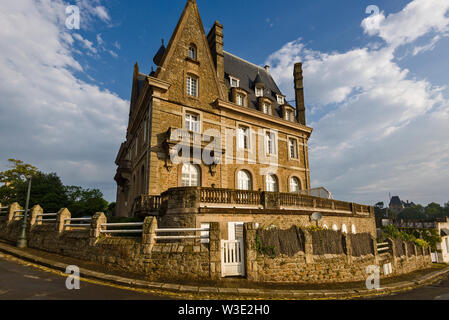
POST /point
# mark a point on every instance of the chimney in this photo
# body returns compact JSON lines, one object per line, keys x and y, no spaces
{"x":267,"y":68}
{"x":299,"y":94}
{"x":215,"y":39}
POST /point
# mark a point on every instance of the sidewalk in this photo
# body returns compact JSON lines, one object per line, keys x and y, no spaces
{"x":235,"y":288}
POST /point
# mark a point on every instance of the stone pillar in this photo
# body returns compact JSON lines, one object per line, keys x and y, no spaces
{"x":34,"y":219}
{"x":308,"y":246}
{"x":392,"y":251}
{"x":405,"y":248}
{"x":63,"y":214}
{"x":12,"y":208}
{"x":250,"y":232}
{"x":348,"y":247}
{"x":97,"y":220}
{"x":375,"y":253}
{"x":215,"y":251}
{"x":149,"y":234}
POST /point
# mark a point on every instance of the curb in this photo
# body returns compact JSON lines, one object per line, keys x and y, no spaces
{"x":295,"y":294}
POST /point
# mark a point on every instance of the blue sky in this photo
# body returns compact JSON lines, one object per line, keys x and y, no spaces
{"x":376,"y":85}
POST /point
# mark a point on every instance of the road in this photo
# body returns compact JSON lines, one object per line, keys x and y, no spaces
{"x":437,"y":291}
{"x":20,"y":281}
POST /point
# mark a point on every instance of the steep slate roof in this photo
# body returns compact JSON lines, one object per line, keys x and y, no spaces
{"x":247,"y":73}
{"x":395,"y":201}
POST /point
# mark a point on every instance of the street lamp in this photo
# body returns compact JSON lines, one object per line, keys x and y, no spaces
{"x":22,"y":242}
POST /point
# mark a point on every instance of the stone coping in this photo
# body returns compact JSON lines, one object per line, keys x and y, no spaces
{"x":250,"y":292}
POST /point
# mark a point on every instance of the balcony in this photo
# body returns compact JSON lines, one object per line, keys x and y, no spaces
{"x":200,"y":199}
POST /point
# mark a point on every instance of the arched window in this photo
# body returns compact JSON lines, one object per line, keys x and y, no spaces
{"x":295,"y":184}
{"x":353,"y":230}
{"x":325,"y":227}
{"x":344,"y":229}
{"x":190,"y":175}
{"x":193,"y":52}
{"x":334,"y":227}
{"x":244,"y":180}
{"x":272,"y":183}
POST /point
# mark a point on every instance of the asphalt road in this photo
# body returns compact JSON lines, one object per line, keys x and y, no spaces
{"x":22,"y":282}
{"x":437,"y":291}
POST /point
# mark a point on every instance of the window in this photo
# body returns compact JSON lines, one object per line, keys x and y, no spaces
{"x":295,"y":185}
{"x":192,"y":122}
{"x":190,"y":175}
{"x":334,"y":227}
{"x":241,"y":99}
{"x":272,"y":183}
{"x":344,"y":229}
{"x":192,"y":86}
{"x":266,"y":108}
{"x":271,"y":142}
{"x":243,"y":137}
{"x":353,"y":230}
{"x":192,"y":52}
{"x":293,"y":148}
{"x":280,"y":99}
{"x":289,"y":115}
{"x":235,"y":83}
{"x":244,"y":180}
{"x":259,"y":92}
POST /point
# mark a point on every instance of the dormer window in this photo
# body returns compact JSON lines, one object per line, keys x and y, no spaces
{"x":280,"y":99}
{"x":259,"y":92}
{"x":241,"y":99}
{"x":235,"y":83}
{"x":266,"y":108}
{"x":289,"y":115}
{"x":192,"y":52}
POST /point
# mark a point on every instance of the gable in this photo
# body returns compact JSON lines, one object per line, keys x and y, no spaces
{"x":175,"y":65}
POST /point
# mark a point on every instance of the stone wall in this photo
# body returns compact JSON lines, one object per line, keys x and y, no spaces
{"x":307,"y":267}
{"x":179,"y":260}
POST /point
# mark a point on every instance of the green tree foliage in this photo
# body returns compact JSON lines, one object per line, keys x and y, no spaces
{"x":420,"y":237}
{"x":413,"y":213}
{"x":85,"y":202}
{"x":12,"y":178}
{"x":47,"y":190}
{"x":434,"y":210}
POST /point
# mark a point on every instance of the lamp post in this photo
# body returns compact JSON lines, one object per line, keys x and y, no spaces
{"x":22,"y":242}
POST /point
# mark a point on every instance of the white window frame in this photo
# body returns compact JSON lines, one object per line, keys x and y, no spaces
{"x":259,"y":92}
{"x":240,"y":99}
{"x":272,"y":183}
{"x":189,"y":171}
{"x":244,"y":137}
{"x":270,"y":143}
{"x":266,"y":108}
{"x":293,"y":149}
{"x":192,"y":124}
{"x":231,"y":79}
{"x":193,"y":52}
{"x":280,"y":99}
{"x":192,"y":85}
{"x":244,"y":180}
{"x":298,"y":185}
{"x":289,"y":115}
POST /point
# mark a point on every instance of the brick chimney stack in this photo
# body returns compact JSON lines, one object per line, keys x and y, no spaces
{"x":299,"y":94}
{"x":215,"y":39}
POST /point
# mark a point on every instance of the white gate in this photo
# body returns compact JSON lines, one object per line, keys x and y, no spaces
{"x":232,"y":258}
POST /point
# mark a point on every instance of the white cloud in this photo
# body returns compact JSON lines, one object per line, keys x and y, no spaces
{"x":381,"y":130}
{"x":102,"y":13}
{"x":48,"y":116}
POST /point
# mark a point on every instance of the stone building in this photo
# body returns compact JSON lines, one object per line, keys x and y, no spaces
{"x":202,"y":104}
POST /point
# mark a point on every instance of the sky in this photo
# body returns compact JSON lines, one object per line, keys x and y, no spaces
{"x":375,"y":77}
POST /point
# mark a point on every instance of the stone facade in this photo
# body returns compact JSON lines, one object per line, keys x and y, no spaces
{"x":159,"y":102}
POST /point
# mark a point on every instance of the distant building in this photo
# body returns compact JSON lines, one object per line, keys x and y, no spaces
{"x":397,"y":205}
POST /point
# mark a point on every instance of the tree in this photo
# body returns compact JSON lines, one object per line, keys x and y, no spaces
{"x":47,"y":190}
{"x":413,"y":213}
{"x":434,"y":210}
{"x":13,"y":178}
{"x":85,"y":202}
